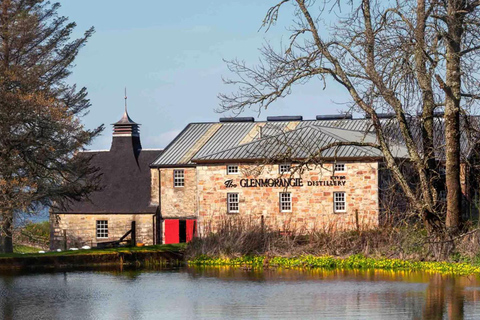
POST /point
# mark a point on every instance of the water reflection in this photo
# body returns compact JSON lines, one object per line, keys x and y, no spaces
{"x":218,"y":293}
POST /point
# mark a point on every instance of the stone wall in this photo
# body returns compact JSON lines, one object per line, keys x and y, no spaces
{"x":312,"y":203}
{"x":154,"y":187}
{"x":178,"y":202}
{"x":81,"y":228}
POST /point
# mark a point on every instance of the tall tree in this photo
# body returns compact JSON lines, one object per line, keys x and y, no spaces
{"x":40,"y":130}
{"x":409,"y":58}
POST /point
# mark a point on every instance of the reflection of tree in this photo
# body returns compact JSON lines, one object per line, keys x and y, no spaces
{"x":455,"y":299}
{"x":435,"y":298}
{"x":6,"y":301}
{"x":444,"y":294}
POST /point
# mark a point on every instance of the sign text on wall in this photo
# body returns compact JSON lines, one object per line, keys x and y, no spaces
{"x":286,"y":182}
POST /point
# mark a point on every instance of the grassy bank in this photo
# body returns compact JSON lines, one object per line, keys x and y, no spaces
{"x":159,"y":255}
{"x":241,"y":242}
{"x":239,"y":237}
{"x":180,"y":247}
{"x":329,"y":262}
{"x":22,"y":249}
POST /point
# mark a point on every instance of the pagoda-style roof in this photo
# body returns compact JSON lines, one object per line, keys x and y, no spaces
{"x":125,"y":175}
{"x":125,"y":120}
{"x":125,"y":126}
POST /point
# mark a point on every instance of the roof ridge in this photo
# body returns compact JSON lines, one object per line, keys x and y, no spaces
{"x":359,"y":148}
{"x":169,"y":145}
{"x":251,"y":142}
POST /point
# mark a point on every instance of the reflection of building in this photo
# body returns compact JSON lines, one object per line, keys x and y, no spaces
{"x":241,"y":168}
{"x":125,"y":194}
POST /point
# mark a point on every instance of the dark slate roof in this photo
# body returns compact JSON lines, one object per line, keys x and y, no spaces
{"x":232,"y":135}
{"x":125,"y":181}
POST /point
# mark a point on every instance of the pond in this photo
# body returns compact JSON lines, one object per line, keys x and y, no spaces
{"x":228,"y":293}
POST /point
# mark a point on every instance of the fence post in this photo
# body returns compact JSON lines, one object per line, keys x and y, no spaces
{"x":64,"y":239}
{"x":356,"y":220}
{"x":133,"y":241}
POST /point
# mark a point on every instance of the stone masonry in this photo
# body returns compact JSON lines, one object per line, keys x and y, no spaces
{"x":178,"y":202}
{"x":312,"y":203}
{"x":81,"y":228}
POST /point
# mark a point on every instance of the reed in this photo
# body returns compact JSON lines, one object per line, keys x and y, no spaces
{"x":237,"y":237}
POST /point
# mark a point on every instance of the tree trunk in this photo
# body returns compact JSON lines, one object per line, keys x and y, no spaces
{"x":452,"y":114}
{"x":7,"y":234}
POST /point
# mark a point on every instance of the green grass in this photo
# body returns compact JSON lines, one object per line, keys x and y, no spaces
{"x":329,"y":262}
{"x":164,"y":247}
{"x":17,"y":248}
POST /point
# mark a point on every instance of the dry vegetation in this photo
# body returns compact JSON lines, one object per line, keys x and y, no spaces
{"x":236,"y":237}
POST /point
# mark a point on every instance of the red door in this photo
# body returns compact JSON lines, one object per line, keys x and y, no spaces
{"x":172,"y":234}
{"x":191,"y":227}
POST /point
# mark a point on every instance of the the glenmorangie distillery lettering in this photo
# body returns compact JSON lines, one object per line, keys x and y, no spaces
{"x":286,"y":182}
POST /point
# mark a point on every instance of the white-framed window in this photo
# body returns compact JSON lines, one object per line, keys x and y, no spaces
{"x":339,"y":202}
{"x":232,"y":202}
{"x":178,"y":178}
{"x":339,"y":167}
{"x":285,"y":201}
{"x":102,"y":229}
{"x":232,"y":169}
{"x":284,"y":168}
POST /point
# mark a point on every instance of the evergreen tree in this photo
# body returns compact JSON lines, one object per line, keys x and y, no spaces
{"x":40,"y":130}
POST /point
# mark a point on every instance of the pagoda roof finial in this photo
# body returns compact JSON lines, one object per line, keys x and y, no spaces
{"x":125,"y":125}
{"x":125,"y":99}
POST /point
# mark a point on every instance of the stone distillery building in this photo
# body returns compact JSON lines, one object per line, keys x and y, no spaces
{"x":124,"y":196}
{"x":241,"y":168}
{"x":264,"y":171}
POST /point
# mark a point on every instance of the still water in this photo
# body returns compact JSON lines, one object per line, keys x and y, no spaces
{"x":226,"y":293}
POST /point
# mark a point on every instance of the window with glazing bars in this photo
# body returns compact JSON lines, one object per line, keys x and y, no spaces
{"x":339,"y":167}
{"x":232,"y":169}
{"x":284,"y":168}
{"x":232,"y":202}
{"x":178,"y":178}
{"x":339,"y":204}
{"x":102,"y":229}
{"x":285,"y":201}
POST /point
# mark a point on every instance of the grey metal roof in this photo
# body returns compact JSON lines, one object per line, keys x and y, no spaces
{"x":230,"y":134}
{"x":199,"y":140}
{"x":302,"y":143}
{"x":175,"y":151}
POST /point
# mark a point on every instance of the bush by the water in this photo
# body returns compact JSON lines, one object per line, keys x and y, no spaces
{"x":236,"y":237}
{"x":35,"y":235}
{"x":329,"y":262}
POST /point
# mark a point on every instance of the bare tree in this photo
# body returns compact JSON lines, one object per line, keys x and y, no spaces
{"x":408,"y":58}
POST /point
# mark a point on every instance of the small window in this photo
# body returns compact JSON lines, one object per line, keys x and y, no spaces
{"x":178,"y":178}
{"x":232,"y":169}
{"x":339,"y":167}
{"x":232,"y":202}
{"x":339,"y":204}
{"x":285,"y":202}
{"x":102,"y":229}
{"x":284,"y":168}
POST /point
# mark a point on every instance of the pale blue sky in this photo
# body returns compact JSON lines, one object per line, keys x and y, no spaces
{"x":169,"y":56}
